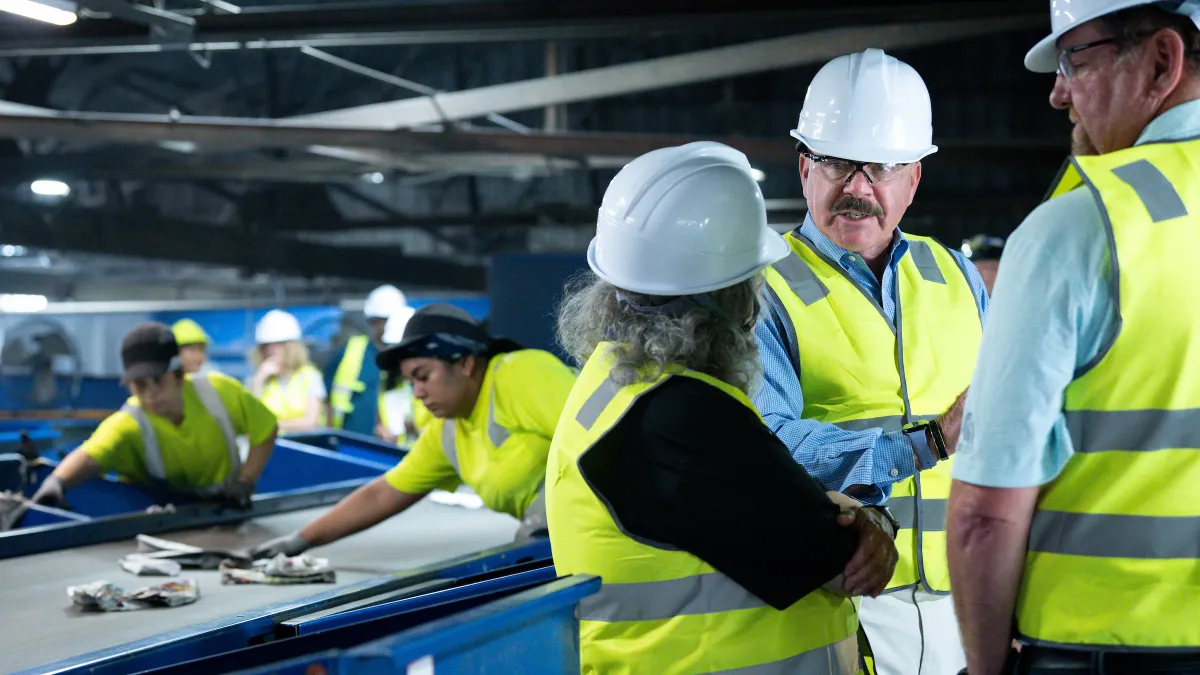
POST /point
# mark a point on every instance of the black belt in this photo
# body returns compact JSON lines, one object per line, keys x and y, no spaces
{"x":1050,"y":661}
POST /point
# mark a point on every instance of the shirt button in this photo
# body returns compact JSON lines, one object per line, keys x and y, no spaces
{"x":894,"y":472}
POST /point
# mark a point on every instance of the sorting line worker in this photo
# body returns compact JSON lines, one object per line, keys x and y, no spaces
{"x":351,"y":376}
{"x":984,"y":252}
{"x":713,"y":544}
{"x":871,"y":338}
{"x":1074,"y":508}
{"x":193,"y":347}
{"x":177,"y":430}
{"x":495,"y":406}
{"x":284,"y":377}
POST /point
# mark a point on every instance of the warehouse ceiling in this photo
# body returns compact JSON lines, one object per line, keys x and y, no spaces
{"x":275,"y":148}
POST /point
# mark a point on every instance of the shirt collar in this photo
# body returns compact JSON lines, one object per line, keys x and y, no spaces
{"x":831,"y":250}
{"x":1182,"y":121}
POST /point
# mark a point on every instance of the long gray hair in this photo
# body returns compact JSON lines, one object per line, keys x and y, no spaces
{"x":701,"y":333}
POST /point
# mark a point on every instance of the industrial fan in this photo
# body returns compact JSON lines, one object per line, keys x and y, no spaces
{"x":40,"y":365}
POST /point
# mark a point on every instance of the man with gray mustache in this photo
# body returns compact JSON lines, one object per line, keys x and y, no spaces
{"x":869,"y":341}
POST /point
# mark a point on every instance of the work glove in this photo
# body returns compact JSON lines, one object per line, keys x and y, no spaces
{"x":289,"y":545}
{"x":51,"y":493}
{"x":237,"y":493}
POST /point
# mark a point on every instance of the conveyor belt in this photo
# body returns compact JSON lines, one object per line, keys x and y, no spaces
{"x":40,"y":626}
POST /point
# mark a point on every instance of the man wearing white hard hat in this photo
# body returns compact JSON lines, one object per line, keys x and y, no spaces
{"x":718,"y":552}
{"x":399,"y":410}
{"x":1075,"y":516}
{"x":350,"y":373}
{"x":870,"y":340}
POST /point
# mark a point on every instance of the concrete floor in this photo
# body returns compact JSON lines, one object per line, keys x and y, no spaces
{"x":41,"y":626}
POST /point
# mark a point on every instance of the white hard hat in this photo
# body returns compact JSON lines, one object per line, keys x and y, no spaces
{"x":277,"y":326}
{"x":681,"y":221}
{"x":1066,"y":15}
{"x":393,"y":330}
{"x":867,"y":107}
{"x":383,"y":302}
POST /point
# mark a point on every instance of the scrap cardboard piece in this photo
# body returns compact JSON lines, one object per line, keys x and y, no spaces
{"x":157,"y":556}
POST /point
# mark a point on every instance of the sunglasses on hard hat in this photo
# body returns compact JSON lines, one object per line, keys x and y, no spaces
{"x":835,"y":169}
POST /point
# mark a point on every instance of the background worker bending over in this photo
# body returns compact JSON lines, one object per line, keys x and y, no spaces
{"x":176,"y":431}
{"x":495,"y":407}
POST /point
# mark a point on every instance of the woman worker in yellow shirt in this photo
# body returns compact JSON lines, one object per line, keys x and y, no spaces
{"x":177,"y":430}
{"x":495,"y":407}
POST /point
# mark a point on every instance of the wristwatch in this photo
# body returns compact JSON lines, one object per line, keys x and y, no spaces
{"x":887,"y":513}
{"x":928,"y":443}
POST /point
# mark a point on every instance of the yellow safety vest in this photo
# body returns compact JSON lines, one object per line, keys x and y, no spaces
{"x":291,"y":402}
{"x":662,"y":610}
{"x":347,"y":380}
{"x":1114,"y":546}
{"x":859,"y":372}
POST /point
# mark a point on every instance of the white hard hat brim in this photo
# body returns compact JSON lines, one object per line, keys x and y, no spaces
{"x":772,"y":249}
{"x":1043,"y":58}
{"x":864,"y":153}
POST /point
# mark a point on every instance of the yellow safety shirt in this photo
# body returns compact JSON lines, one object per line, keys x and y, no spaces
{"x":500,"y":450}
{"x":195,"y":453}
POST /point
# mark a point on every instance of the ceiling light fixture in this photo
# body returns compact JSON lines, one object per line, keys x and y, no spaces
{"x":57,"y":13}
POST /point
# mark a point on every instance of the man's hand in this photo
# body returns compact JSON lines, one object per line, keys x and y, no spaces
{"x":289,"y":545}
{"x":51,"y":493}
{"x":869,"y":571}
{"x":237,"y":494}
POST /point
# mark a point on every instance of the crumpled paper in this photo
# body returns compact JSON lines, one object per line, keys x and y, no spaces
{"x":13,"y":506}
{"x":105,"y":596}
{"x":281,"y":569}
{"x":163,"y":557}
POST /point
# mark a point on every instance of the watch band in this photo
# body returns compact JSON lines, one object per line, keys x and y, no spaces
{"x":920,"y":445}
{"x":939,"y":440}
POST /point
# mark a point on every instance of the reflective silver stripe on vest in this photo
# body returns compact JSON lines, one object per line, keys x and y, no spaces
{"x":933,"y":513}
{"x":801,"y":279}
{"x":1115,"y":536}
{"x":496,"y":433}
{"x":592,"y":408}
{"x":152,"y":452}
{"x":1136,"y":430}
{"x":1159,"y":197}
{"x":820,"y":661}
{"x":926,"y":264}
{"x":211,"y":401}
{"x":658,"y":600}
{"x":449,"y":444}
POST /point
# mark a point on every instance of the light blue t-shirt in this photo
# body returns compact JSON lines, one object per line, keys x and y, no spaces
{"x":1052,"y":312}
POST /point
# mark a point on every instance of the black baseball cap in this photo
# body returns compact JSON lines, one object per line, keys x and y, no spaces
{"x":149,"y":350}
{"x":439,"y":331}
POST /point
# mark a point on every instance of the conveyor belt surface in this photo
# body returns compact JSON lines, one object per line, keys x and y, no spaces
{"x":40,"y":626}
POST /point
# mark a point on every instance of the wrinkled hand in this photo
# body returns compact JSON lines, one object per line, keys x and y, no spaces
{"x":237,"y":494}
{"x":869,"y":571}
{"x":289,"y":545}
{"x":51,"y":493}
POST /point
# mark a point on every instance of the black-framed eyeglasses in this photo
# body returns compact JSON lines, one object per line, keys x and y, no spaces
{"x":835,"y":169}
{"x":1065,"y":67}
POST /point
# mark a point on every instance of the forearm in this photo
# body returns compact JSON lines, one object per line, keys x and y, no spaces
{"x":256,"y":459}
{"x":987,"y":532}
{"x":77,"y":467}
{"x":950,"y":422}
{"x":367,"y":506}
